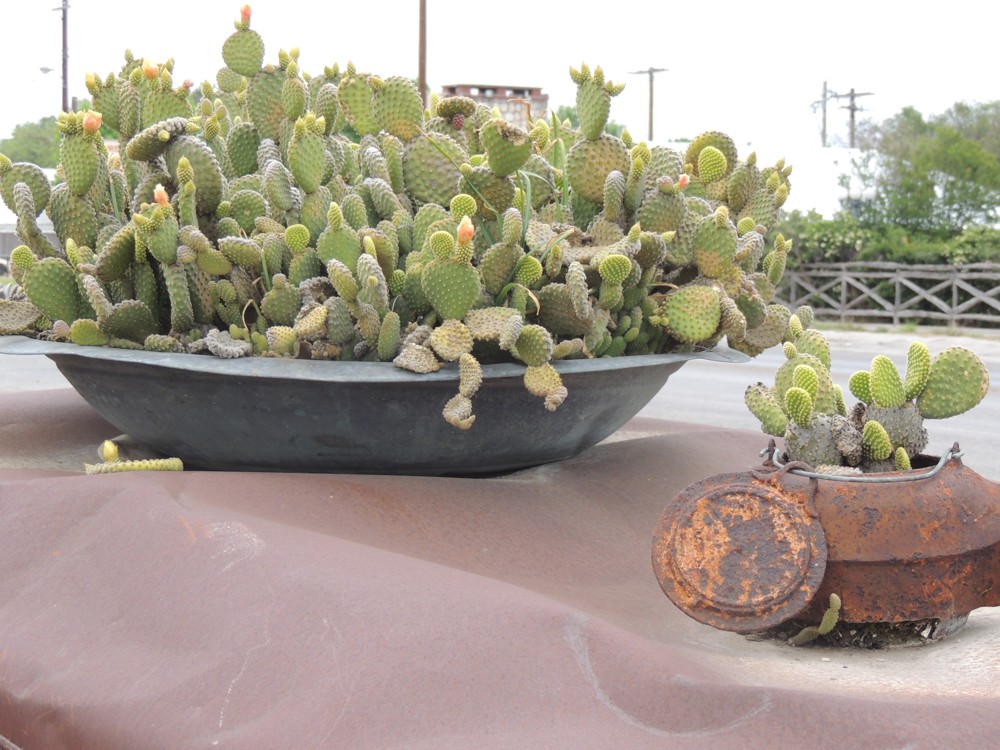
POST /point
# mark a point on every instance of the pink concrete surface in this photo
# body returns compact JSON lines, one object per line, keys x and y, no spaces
{"x":262,"y":610}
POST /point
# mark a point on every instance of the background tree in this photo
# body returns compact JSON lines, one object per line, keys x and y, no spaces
{"x":38,"y":142}
{"x":933,"y":176}
{"x":35,"y":142}
{"x":977,"y":122}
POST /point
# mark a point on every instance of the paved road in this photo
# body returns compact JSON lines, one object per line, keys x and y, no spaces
{"x":712,"y":393}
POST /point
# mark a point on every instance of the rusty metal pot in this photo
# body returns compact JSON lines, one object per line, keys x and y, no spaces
{"x":747,"y":551}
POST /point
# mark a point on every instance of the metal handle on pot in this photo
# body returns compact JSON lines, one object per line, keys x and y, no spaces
{"x":955,"y":452}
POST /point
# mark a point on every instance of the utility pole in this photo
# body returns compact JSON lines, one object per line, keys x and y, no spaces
{"x":65,"y":54}
{"x":827,"y":96}
{"x":650,"y":72}
{"x":422,"y":52}
{"x":853,"y":108}
{"x":852,"y":95}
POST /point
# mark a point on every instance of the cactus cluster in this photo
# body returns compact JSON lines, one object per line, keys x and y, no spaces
{"x":239,"y":219}
{"x":885,"y":429}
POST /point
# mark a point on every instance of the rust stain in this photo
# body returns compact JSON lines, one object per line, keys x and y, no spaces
{"x":191,"y":535}
{"x":735,"y":552}
{"x":747,"y":551}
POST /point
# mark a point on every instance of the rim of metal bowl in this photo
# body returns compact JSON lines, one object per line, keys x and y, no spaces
{"x":333,"y":371}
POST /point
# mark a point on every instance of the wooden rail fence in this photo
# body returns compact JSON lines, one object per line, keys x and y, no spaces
{"x":890,"y":292}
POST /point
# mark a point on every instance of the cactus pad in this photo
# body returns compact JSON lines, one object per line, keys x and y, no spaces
{"x":243,"y":52}
{"x":876,"y":444}
{"x":885,"y":383}
{"x":589,"y":162}
{"x":957,"y":381}
{"x":918,"y":367}
{"x":397,"y":106}
{"x":507,"y":146}
{"x":51,"y":285}
{"x":692,"y":313}
{"x":450,"y":286}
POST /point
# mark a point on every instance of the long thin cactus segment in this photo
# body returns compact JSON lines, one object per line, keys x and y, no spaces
{"x":112,"y":464}
{"x":918,"y":369}
{"x":827,"y":624}
{"x":147,"y":464}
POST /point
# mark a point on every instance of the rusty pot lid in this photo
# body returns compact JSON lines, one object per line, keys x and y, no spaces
{"x":738,"y":553}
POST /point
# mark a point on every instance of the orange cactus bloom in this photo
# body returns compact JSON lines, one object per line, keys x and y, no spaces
{"x":160,"y":195}
{"x":465,"y":231}
{"x":245,"y":14}
{"x":92,"y":122}
{"x":150,"y":69}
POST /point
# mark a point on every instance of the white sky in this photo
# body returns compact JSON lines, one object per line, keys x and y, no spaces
{"x":752,"y":70}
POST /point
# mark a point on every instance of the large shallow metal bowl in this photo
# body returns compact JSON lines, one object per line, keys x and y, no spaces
{"x":302,"y":415}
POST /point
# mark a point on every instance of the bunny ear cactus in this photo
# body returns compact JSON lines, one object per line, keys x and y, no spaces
{"x":78,"y":152}
{"x":886,"y":428}
{"x":52,"y":286}
{"x":590,"y":161}
{"x":306,"y":152}
{"x":294,"y":93}
{"x":507,"y":146}
{"x":720,"y":160}
{"x":253,"y":224}
{"x":33,"y":178}
{"x":690,"y":314}
{"x":450,"y":282}
{"x":243,"y":52}
{"x":397,"y":106}
{"x":355,"y":98}
{"x":593,"y":99}
{"x":162,"y":100}
{"x":957,"y":380}
{"x":715,"y":243}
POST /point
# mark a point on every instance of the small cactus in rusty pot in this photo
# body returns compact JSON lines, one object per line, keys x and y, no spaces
{"x":884,"y":430}
{"x":850,"y":533}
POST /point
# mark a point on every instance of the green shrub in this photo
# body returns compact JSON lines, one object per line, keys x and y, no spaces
{"x":843,"y":239}
{"x":819,"y":240}
{"x":975,"y":245}
{"x":897,"y":245}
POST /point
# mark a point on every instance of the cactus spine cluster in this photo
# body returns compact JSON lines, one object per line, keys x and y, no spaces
{"x":250,"y":224}
{"x":885,"y":429}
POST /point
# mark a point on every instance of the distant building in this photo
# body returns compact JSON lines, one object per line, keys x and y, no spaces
{"x":514,"y":112}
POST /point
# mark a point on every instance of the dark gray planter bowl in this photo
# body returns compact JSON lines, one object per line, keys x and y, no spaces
{"x":263,"y":414}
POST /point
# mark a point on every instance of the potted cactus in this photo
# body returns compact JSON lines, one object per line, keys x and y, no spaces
{"x":884,"y":430}
{"x":281,"y":215}
{"x":851,"y":521}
